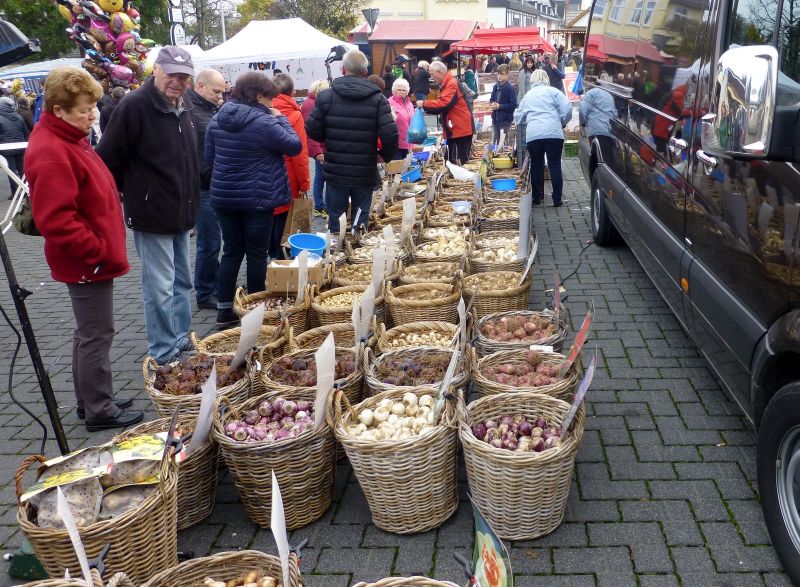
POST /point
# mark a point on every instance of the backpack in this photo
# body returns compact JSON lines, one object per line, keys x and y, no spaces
{"x":469,"y":99}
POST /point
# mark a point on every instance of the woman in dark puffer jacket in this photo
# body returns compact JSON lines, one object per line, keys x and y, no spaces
{"x":246,"y":142}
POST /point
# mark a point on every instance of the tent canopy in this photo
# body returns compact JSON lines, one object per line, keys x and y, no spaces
{"x":271,"y":40}
{"x":504,"y":40}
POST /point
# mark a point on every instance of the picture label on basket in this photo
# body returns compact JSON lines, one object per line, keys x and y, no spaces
{"x":277,"y":524}
{"x":206,"y":415}
{"x":490,"y":560}
{"x":325,"y":358}
{"x":577,"y":344}
{"x":251,"y":324}
{"x":342,"y":230}
{"x":579,"y":395}
{"x":528,"y":266}
{"x":63,"y":509}
{"x":525,"y":204}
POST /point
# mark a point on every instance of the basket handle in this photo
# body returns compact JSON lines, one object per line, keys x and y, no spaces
{"x":238,"y":297}
{"x":118,"y":580}
{"x":338,"y":399}
{"x":194,"y":339}
{"x":148,"y":366}
{"x":229,"y":407}
{"x":23,"y":466}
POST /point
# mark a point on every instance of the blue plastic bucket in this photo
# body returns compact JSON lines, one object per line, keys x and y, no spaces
{"x":303,"y":241}
{"x":429,"y":142}
{"x":422,"y":156}
{"x":412,"y":175}
{"x":505,"y":184}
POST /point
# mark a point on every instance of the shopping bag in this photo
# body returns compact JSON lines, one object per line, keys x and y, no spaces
{"x":417,"y":130}
{"x":23,"y":219}
{"x":577,"y":87}
{"x":298,"y":220}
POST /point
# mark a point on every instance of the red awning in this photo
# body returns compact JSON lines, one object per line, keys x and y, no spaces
{"x":504,"y":40}
{"x":603,"y":47}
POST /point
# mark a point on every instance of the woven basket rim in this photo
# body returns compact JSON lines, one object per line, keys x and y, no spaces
{"x":502,"y":293}
{"x":281,"y":386}
{"x":393,"y":299}
{"x":320,"y":309}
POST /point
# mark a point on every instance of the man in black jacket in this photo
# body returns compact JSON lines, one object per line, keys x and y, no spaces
{"x":107,"y":109}
{"x":206,"y":97}
{"x":150,"y":146}
{"x":350,"y":118}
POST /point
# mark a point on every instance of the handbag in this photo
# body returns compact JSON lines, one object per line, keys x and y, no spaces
{"x":23,"y":219}
{"x":299,"y":218}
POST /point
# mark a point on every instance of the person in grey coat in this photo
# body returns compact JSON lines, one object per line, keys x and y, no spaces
{"x":595,"y":113}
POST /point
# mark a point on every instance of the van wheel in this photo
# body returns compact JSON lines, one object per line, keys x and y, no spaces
{"x":778,"y":451}
{"x":603,"y":230}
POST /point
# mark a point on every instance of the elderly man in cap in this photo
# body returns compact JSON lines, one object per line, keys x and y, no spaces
{"x":150,"y":146}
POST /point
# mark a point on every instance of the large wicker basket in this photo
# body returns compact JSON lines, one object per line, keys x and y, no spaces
{"x":296,"y":313}
{"x":486,"y":346}
{"x":118,"y":580}
{"x":563,"y":389}
{"x":339,"y":280}
{"x":407,"y":582}
{"x":478,"y":265}
{"x":153,"y":523}
{"x":197,"y":474}
{"x":489,"y":301}
{"x":166,"y":403}
{"x":225,"y":566}
{"x":388,"y":340}
{"x":371,"y":364}
{"x":408,"y":304}
{"x":425,"y":272}
{"x":522,"y":494}
{"x":322,"y":315}
{"x":431,"y":234}
{"x":303,"y":465}
{"x":350,"y":385}
{"x":488,"y":223}
{"x":410,"y":484}
{"x":272,"y":338}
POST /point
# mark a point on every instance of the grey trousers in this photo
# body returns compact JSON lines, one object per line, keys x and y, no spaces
{"x":93,"y":306}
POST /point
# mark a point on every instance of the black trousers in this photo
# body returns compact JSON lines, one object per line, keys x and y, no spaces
{"x":458,"y":149}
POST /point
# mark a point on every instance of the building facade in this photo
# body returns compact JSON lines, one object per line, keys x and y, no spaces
{"x":476,"y":10}
{"x":542,"y":14}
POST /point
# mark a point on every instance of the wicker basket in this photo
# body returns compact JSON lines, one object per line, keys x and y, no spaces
{"x":225,"y":566}
{"x":503,"y":197}
{"x":563,"y":389}
{"x":273,"y":338}
{"x":323,"y":315}
{"x":446,"y":271}
{"x":486,"y":346}
{"x":480,"y":266}
{"x":501,"y":481}
{"x":482,"y":239}
{"x":364,"y":254}
{"x":296,"y":313}
{"x":304,"y":466}
{"x":153,"y":523}
{"x":488,"y":224}
{"x":407,"y":304}
{"x":343,"y":336}
{"x":488,"y":301}
{"x":407,"y":582}
{"x":410,"y":484}
{"x":371,"y":363}
{"x":351,"y":385}
{"x":385,"y":337}
{"x":118,"y":580}
{"x":443,"y":219}
{"x":338,"y":281}
{"x":431,"y":234}
{"x":190,"y":404}
{"x":423,"y":254}
{"x":197,"y":474}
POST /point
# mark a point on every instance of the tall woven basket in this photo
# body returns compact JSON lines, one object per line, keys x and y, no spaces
{"x":407,"y":582}
{"x":410,"y":484}
{"x":270,"y":337}
{"x":225,"y":566}
{"x":303,"y":465}
{"x":118,"y":580}
{"x":197,"y":473}
{"x":322,"y":315}
{"x":488,"y":300}
{"x":522,"y":494}
{"x":413,"y":334}
{"x":562,"y":389}
{"x":374,"y":384}
{"x":153,"y":523}
{"x":408,"y":303}
{"x":296,"y":313}
{"x":486,"y":346}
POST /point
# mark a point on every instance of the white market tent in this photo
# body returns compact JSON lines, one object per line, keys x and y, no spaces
{"x":291,"y":45}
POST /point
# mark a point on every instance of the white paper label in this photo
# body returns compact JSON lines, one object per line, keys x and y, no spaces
{"x":367,"y":309}
{"x":462,"y":325}
{"x":325,"y":358}
{"x":460,"y":173}
{"x":541,"y":348}
{"x":431,"y":191}
{"x":388,"y":236}
{"x":278,"y":527}
{"x":342,"y":230}
{"x":206,"y":415}
{"x":355,"y":316}
{"x":251,"y":324}
{"x":327,"y":244}
{"x":409,"y":210}
{"x":378,"y":267}
{"x":579,"y":395}
{"x":384,"y":195}
{"x":395,"y":186}
{"x":531,"y":257}
{"x":444,"y":386}
{"x":524,"y":206}
{"x":302,"y":276}
{"x":63,"y":509}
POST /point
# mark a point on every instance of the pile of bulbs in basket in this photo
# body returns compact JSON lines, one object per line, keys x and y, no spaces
{"x":374,"y":357}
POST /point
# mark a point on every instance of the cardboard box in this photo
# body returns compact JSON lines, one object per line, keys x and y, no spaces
{"x":395,"y":167}
{"x":281,"y":278}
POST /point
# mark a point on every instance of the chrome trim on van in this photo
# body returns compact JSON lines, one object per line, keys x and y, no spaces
{"x":615,"y":89}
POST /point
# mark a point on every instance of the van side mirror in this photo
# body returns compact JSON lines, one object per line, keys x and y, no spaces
{"x":741,"y":121}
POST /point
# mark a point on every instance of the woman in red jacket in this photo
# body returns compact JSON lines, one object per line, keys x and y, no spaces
{"x":297,"y":165}
{"x":76,"y":207}
{"x":451,"y":106}
{"x":316,"y":150}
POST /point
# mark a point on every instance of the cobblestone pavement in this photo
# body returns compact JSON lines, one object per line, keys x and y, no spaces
{"x":664,"y":492}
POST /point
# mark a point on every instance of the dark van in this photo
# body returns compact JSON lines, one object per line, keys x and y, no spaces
{"x":691,"y":144}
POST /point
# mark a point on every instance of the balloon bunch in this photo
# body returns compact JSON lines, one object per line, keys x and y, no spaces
{"x":107,"y":32}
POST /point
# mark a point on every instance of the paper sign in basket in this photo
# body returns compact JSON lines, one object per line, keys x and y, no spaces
{"x":579,"y":395}
{"x":462,"y":325}
{"x":524,"y":206}
{"x":325,"y":358}
{"x":577,"y":344}
{"x":529,"y":264}
{"x":438,"y":403}
{"x":342,"y":230}
{"x":395,"y":186}
{"x":206,"y":415}
{"x":367,"y":310}
{"x":63,"y":509}
{"x":251,"y":324}
{"x":460,"y":173}
{"x":378,"y":265}
{"x":302,"y":276}
{"x":384,"y":195}
{"x":355,"y":317}
{"x":490,"y":561}
{"x":277,"y":524}
{"x":409,"y":211}
{"x":327,"y":244}
{"x":388,"y":237}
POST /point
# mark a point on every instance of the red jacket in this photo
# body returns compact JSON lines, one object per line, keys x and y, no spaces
{"x":75,"y":204}
{"x":297,"y":166}
{"x":456,"y":118}
{"x":314,"y":148}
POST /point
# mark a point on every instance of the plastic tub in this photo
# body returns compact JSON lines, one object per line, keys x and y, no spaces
{"x":502,"y":163}
{"x":422,"y":156}
{"x":429,"y":142}
{"x":303,"y":241}
{"x":505,"y":184}
{"x":412,"y":175}
{"x":461,"y":206}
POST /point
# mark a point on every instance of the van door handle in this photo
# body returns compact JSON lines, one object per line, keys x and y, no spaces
{"x":679,"y":144}
{"x":707,"y":160}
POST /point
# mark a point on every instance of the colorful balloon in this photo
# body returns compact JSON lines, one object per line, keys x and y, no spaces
{"x":65,"y":12}
{"x":111,"y":5}
{"x":121,"y":23}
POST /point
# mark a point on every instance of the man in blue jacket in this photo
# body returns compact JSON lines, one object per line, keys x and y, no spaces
{"x":503,"y":103}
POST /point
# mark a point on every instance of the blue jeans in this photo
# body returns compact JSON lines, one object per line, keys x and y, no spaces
{"x":167,"y":291}
{"x":337,"y":198}
{"x":319,"y":186}
{"x":420,"y":97}
{"x":553,"y":149}
{"x":244,"y":232}
{"x":209,"y":241}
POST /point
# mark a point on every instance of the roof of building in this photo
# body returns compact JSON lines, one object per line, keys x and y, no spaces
{"x":422,"y":30}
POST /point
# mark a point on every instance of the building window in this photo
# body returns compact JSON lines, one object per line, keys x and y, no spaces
{"x":637,"y":11}
{"x":680,"y":12}
{"x":599,"y":8}
{"x":648,"y":12}
{"x":616,"y":10}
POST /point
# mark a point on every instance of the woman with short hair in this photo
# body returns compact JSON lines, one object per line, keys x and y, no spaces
{"x":77,"y":210}
{"x":403,"y":111}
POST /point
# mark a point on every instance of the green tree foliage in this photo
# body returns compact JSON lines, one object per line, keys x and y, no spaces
{"x":154,"y":20}
{"x":334,"y":17}
{"x":39,"y":19}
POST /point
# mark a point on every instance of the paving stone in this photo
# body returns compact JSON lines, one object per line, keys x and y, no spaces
{"x":531,"y":561}
{"x":738,"y":558}
{"x":692,"y":560}
{"x":327,"y":580}
{"x":644,"y":539}
{"x":413,"y":560}
{"x":363,"y":564}
{"x":555,"y":581}
{"x":658,"y":581}
{"x":602,"y":560}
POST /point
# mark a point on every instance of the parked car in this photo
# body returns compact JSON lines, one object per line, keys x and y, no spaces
{"x":693,"y":108}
